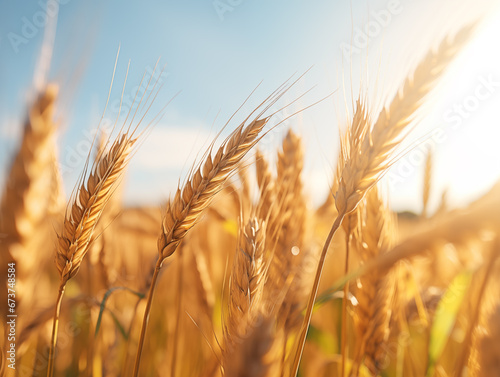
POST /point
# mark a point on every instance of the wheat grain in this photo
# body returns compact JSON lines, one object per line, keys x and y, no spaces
{"x":289,"y":231}
{"x":247,"y":279}
{"x":199,"y":190}
{"x":88,"y":206}
{"x":374,"y":291}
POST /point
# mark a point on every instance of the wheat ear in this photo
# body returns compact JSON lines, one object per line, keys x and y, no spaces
{"x":185,"y":209}
{"x":57,"y":201}
{"x":369,"y":149}
{"x":266,"y":208}
{"x":374,"y":292}
{"x":290,"y":251}
{"x":247,"y":280}
{"x":23,"y":207}
{"x":82,"y":217}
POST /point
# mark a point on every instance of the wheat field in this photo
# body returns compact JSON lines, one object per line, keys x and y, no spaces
{"x":237,"y":274}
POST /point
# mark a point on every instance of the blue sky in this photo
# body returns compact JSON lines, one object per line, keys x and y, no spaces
{"x":215,"y":62}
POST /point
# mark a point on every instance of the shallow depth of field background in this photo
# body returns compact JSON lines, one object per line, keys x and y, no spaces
{"x":216,"y":54}
{"x":239,"y":275}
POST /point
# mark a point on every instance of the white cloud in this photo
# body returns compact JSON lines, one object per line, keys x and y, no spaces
{"x":171,"y":147}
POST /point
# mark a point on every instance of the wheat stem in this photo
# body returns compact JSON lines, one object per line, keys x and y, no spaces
{"x":55,"y":328}
{"x":344,"y":305}
{"x":178,"y":305}
{"x":146,"y":317}
{"x":314,"y":294}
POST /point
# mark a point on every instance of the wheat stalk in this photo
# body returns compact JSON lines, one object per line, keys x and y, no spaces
{"x":82,"y":217}
{"x":366,"y":155}
{"x":199,"y":190}
{"x":351,"y":226}
{"x":359,"y":129}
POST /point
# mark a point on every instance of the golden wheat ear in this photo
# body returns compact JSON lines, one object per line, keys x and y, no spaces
{"x":82,"y":217}
{"x":24,"y":204}
{"x":201,"y":186}
{"x":247,"y":279}
{"x":267,"y":208}
{"x":368,"y":151}
{"x":290,"y":232}
{"x":25,"y":197}
{"x":87,"y":207}
{"x":371,"y":146}
{"x":374,"y":292}
{"x":199,"y":191}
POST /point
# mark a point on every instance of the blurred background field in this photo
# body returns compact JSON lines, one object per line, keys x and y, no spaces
{"x":231,"y":300}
